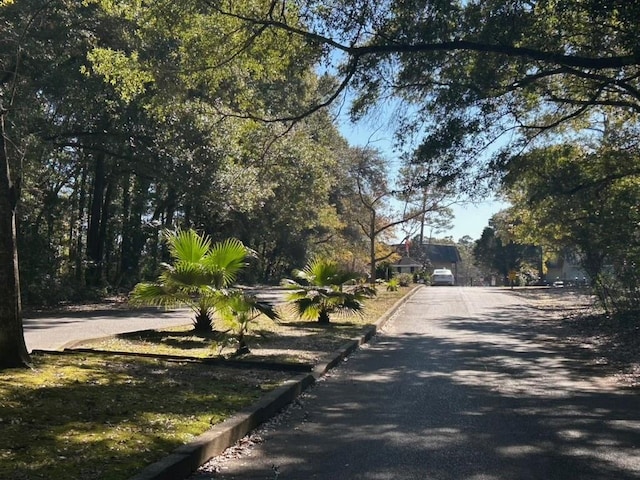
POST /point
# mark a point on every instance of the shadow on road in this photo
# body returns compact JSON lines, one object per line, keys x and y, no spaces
{"x":499,"y":396}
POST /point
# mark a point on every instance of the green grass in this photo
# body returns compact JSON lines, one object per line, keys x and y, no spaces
{"x":289,"y":340}
{"x":103,"y":416}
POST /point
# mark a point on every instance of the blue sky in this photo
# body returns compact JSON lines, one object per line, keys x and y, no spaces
{"x":471,"y":219}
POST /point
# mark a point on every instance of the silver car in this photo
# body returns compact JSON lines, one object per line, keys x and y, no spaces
{"x":442,"y":276}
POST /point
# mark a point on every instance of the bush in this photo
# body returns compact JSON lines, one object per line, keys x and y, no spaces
{"x":405,"y":279}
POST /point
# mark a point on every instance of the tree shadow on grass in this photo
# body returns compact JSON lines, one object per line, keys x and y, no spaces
{"x":180,"y":340}
{"x":107,"y":417}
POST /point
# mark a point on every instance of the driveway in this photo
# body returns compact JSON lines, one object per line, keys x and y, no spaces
{"x":464,"y":383}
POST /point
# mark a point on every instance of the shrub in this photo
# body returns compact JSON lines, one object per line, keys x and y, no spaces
{"x":405,"y":279}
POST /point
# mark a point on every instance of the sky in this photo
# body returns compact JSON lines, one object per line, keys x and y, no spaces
{"x":470,"y":219}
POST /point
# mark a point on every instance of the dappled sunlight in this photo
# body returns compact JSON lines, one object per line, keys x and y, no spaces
{"x":491,"y":394}
{"x":99,"y":416}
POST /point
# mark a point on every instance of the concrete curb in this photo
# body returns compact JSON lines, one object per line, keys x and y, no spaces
{"x":183,"y":461}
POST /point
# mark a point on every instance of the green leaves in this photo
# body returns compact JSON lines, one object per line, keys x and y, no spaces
{"x":198,"y":277}
{"x":583,"y":203}
{"x":187,"y":246}
{"x":324,"y":291}
{"x":123,"y":71}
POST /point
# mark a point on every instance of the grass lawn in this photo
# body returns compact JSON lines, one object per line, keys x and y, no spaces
{"x":104,"y":416}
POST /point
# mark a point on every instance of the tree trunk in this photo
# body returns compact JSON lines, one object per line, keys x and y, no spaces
{"x":96,"y":231}
{"x":106,"y":246}
{"x":323,"y":318}
{"x":372,"y":248}
{"x":133,"y":238}
{"x":13,"y":350}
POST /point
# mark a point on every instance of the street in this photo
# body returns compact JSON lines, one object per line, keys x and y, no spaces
{"x":55,"y":331}
{"x":464,"y":383}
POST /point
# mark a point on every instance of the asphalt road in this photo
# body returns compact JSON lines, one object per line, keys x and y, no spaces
{"x":55,"y":331}
{"x":463,"y":384}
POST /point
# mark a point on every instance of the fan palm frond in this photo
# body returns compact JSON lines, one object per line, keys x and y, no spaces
{"x":187,"y":245}
{"x":196,"y":278}
{"x":322,"y":292}
{"x":225,"y":259}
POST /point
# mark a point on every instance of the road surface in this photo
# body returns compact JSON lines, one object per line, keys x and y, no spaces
{"x":55,"y":331}
{"x":463,"y":384}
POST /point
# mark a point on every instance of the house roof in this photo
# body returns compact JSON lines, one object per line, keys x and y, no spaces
{"x":442,"y":253}
{"x":407,"y":262}
{"x":436,"y":253}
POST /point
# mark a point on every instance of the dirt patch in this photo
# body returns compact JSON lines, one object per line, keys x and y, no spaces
{"x":614,"y":341}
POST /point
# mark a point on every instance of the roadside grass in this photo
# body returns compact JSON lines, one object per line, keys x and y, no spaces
{"x":104,"y":416}
{"x":288,"y":340}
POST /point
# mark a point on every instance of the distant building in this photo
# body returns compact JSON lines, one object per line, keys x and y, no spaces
{"x":432,"y":256}
{"x":566,"y":269}
{"x":406,"y":265}
{"x":443,"y":256}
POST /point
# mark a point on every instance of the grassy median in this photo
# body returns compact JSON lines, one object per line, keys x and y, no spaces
{"x":106,"y":416}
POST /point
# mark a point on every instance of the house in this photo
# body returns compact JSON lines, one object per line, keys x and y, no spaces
{"x":406,"y":265}
{"x":434,"y":255}
{"x":566,"y":268}
{"x":442,"y":256}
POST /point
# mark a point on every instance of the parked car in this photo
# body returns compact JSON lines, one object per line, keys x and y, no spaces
{"x":442,"y":276}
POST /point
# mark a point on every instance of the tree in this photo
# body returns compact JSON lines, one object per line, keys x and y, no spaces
{"x":523,"y":45}
{"x":502,"y":256}
{"x":296,"y":216}
{"x":468,"y":273}
{"x":197,"y":278}
{"x":16,"y":37}
{"x":584,"y":200}
{"x":419,"y":189}
{"x":323,"y":291}
{"x":372,"y":201}
{"x":471,"y":71}
{"x":13,"y":350}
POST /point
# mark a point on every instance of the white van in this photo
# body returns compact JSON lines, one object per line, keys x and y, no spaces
{"x":442,"y":276}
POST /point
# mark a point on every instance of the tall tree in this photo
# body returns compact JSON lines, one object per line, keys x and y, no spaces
{"x":503,"y":255}
{"x":378,"y":208}
{"x":577,"y":198}
{"x":17,"y":41}
{"x":472,"y":71}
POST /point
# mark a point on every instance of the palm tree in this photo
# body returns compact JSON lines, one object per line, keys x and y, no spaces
{"x":198,"y":278}
{"x":323,"y":291}
{"x":238,"y":311}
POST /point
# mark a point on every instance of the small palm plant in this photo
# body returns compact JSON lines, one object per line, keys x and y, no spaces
{"x":393,"y":284}
{"x":238,"y":311}
{"x":197,"y":278}
{"x":322,"y":291}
